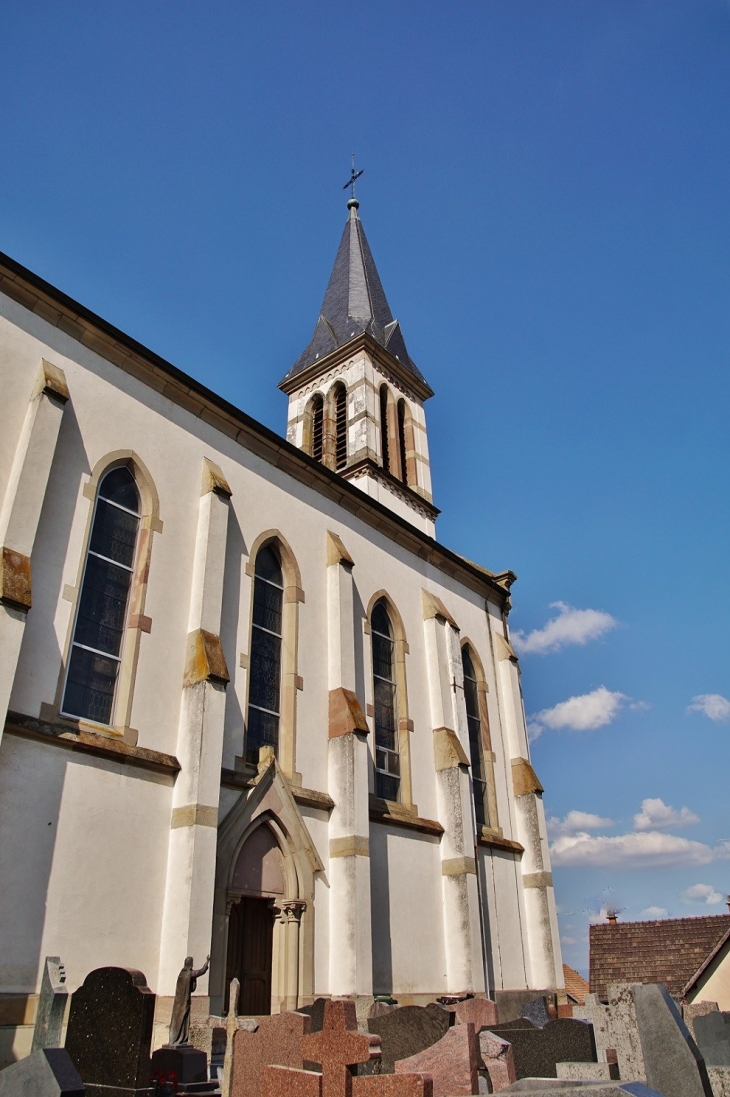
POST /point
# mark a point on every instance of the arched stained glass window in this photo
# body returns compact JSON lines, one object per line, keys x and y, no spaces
{"x":476,"y":745}
{"x":384,"y":440}
{"x":387,"y":758}
{"x":341,"y":427}
{"x":264,"y":691}
{"x":102,"y":609}
{"x":402,"y":440}
{"x":317,"y":427}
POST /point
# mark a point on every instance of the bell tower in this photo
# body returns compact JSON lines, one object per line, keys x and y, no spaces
{"x":355,"y":394}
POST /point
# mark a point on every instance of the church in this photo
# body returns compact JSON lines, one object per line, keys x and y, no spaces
{"x":251,"y":707}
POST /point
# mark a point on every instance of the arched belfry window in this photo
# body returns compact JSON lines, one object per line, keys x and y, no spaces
{"x":384,"y":439}
{"x":264,"y":691}
{"x":403,"y":449}
{"x":476,"y":741}
{"x":318,"y":427}
{"x":340,"y":427}
{"x":96,"y":648}
{"x":387,"y":754}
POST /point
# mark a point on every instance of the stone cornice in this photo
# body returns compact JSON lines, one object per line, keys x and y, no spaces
{"x":78,"y":322}
{"x":363,"y":341}
{"x":372,"y":468}
{"x":87,"y":742}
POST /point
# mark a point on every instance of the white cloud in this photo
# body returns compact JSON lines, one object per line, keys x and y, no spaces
{"x":568,"y":940}
{"x":702,"y":893}
{"x":713,"y":705}
{"x":576,"y":821}
{"x":583,"y":713}
{"x":655,"y":912}
{"x":656,"y":815}
{"x":571,"y":626}
{"x":647,"y":849}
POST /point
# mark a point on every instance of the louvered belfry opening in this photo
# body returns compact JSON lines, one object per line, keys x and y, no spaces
{"x":384,"y":441}
{"x":341,"y":427}
{"x":402,"y":440}
{"x":317,"y":427}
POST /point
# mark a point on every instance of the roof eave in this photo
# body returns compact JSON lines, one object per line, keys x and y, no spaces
{"x":363,"y":341}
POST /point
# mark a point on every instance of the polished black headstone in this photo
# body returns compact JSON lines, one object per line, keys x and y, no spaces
{"x":109,"y":1032}
{"x":537,"y":1050}
{"x":183,"y":1060}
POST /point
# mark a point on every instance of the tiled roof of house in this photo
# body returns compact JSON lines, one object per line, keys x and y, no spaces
{"x":669,"y":951}
{"x":576,"y":987}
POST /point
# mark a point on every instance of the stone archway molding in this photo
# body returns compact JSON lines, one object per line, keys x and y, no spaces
{"x":271,"y":804}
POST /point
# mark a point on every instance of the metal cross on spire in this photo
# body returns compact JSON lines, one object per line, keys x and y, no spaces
{"x":353,"y":176}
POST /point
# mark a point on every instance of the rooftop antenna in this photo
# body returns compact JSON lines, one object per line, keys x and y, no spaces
{"x":354,"y":175}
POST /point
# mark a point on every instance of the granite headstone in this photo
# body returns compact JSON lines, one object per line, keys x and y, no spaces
{"x":536,"y":1011}
{"x":537,"y":1051}
{"x":48,"y":1072}
{"x":407,"y":1030}
{"x":52,"y":1002}
{"x":452,"y":1063}
{"x":276,"y":1042}
{"x":672,"y":1060}
{"x":498,"y":1059}
{"x":110,"y":1032}
{"x":712,"y":1036}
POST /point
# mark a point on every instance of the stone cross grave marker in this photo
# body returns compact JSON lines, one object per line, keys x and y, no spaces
{"x":51,"y":1005}
{"x":339,"y":1046}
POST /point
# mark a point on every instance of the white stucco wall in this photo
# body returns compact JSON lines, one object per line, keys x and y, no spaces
{"x":90,"y":886}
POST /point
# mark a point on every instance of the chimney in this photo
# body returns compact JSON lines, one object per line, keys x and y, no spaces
{"x":612,"y":916}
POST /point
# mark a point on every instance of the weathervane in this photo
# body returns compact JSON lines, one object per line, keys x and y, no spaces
{"x":353,"y":176}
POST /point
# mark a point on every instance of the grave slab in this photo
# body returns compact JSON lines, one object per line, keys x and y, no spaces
{"x":52,"y":1002}
{"x":110,"y":1032}
{"x":672,"y":1060}
{"x":452,"y":1063}
{"x":407,"y":1030}
{"x":498,"y":1060}
{"x":712,"y":1036}
{"x":276,"y":1042}
{"x":48,"y":1072}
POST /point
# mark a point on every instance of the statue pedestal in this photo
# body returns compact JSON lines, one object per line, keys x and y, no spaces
{"x":183,"y":1060}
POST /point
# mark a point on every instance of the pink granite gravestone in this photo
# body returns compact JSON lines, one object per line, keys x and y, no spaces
{"x":498,"y":1059}
{"x":277,"y":1041}
{"x":452,"y":1063}
{"x":480,"y":1012}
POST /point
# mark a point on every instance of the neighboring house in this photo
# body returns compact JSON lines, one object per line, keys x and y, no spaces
{"x":576,"y":987}
{"x":687,"y":955}
{"x":711,"y":981}
{"x":251,"y":707}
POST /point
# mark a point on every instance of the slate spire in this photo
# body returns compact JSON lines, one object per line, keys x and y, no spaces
{"x":354,"y":302}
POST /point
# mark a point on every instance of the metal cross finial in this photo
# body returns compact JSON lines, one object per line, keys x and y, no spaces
{"x":353,"y":176}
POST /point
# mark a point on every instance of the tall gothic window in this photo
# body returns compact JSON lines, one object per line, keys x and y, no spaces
{"x":402,"y":440}
{"x":317,"y":427}
{"x":476,"y":745}
{"x":264,"y":691}
{"x":96,"y":648}
{"x":387,"y":758}
{"x":384,"y":440}
{"x":341,"y":427}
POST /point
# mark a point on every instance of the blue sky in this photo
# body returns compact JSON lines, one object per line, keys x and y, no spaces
{"x":546,"y":193}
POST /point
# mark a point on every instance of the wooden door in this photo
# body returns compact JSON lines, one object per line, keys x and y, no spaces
{"x":250,"y":949}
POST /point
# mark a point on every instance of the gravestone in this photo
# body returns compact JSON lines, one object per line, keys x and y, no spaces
{"x":48,"y":1072}
{"x":510,"y":1002}
{"x":452,"y":1063}
{"x":712,"y":1036}
{"x":276,"y":1041}
{"x":587,"y":1072}
{"x":672,"y":1060}
{"x":719,"y":1080}
{"x":498,"y":1060}
{"x":340,"y":1049}
{"x":615,"y":1028}
{"x":110,"y":1032}
{"x":480,"y":1012}
{"x":537,"y":1051}
{"x":696,"y":1009}
{"x":51,"y":1005}
{"x":536,"y":1011}
{"x":316,"y":1012}
{"x":407,"y":1030}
